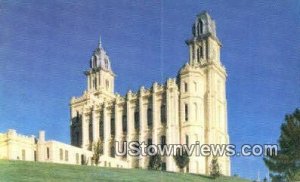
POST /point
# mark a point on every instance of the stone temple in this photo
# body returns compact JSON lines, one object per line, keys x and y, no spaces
{"x":187,"y":109}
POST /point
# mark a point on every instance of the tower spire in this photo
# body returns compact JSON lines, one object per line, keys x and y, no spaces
{"x":100,"y":42}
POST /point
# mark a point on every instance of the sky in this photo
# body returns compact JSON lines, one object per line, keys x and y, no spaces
{"x":46,"y":45}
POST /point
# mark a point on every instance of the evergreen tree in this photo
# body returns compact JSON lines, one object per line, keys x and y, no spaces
{"x":286,"y":164}
{"x":182,"y":159}
{"x":98,"y":150}
{"x":215,"y":168}
{"x":155,"y":162}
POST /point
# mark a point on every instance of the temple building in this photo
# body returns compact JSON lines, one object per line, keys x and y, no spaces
{"x":187,"y":109}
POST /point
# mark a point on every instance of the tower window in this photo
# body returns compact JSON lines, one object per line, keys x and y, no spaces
{"x":200,"y":27}
{"x":186,"y":112}
{"x":199,"y":53}
{"x":106,"y":63}
{"x":163,"y":116}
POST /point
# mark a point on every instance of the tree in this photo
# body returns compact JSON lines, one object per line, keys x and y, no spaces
{"x":214,"y":167}
{"x":181,"y":158}
{"x":286,"y":164}
{"x":155,"y":162}
{"x":98,"y":150}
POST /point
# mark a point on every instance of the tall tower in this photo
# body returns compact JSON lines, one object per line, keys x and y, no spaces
{"x":100,"y":77}
{"x":203,"y":99}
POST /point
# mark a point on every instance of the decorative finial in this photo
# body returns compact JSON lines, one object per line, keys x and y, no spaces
{"x":100,"y":43}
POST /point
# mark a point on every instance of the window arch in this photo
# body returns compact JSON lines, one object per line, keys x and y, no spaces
{"x":200,"y":27}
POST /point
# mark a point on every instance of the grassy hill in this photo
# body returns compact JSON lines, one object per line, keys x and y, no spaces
{"x":32,"y":171}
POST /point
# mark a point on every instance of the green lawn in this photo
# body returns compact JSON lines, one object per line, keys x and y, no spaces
{"x":32,"y":171}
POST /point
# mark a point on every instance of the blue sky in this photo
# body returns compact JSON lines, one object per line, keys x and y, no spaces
{"x":45,"y":46}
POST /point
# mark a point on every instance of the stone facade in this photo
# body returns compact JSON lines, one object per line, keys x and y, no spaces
{"x":189,"y":108}
{"x":14,"y":146}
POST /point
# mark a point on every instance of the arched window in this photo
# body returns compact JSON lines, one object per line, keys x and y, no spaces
{"x":200,"y":27}
{"x":186,"y":112}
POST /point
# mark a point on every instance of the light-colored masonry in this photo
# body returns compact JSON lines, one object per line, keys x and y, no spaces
{"x":189,"y":108}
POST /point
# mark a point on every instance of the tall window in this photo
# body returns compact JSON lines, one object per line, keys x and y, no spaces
{"x":136,"y":120}
{"x":149,"y":117}
{"x":185,"y":87}
{"x":124,"y":123}
{"x":91,"y":128}
{"x":163,"y":113}
{"x":112,"y":126}
{"x":193,"y":52}
{"x":186,"y":112}
{"x":201,"y":52}
{"x":163,"y":141}
{"x":198,"y":55}
{"x":200,"y":27}
{"x":101,"y":126}
{"x":48,"y":153}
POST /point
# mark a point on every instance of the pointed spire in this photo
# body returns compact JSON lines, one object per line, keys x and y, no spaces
{"x":100,"y":43}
